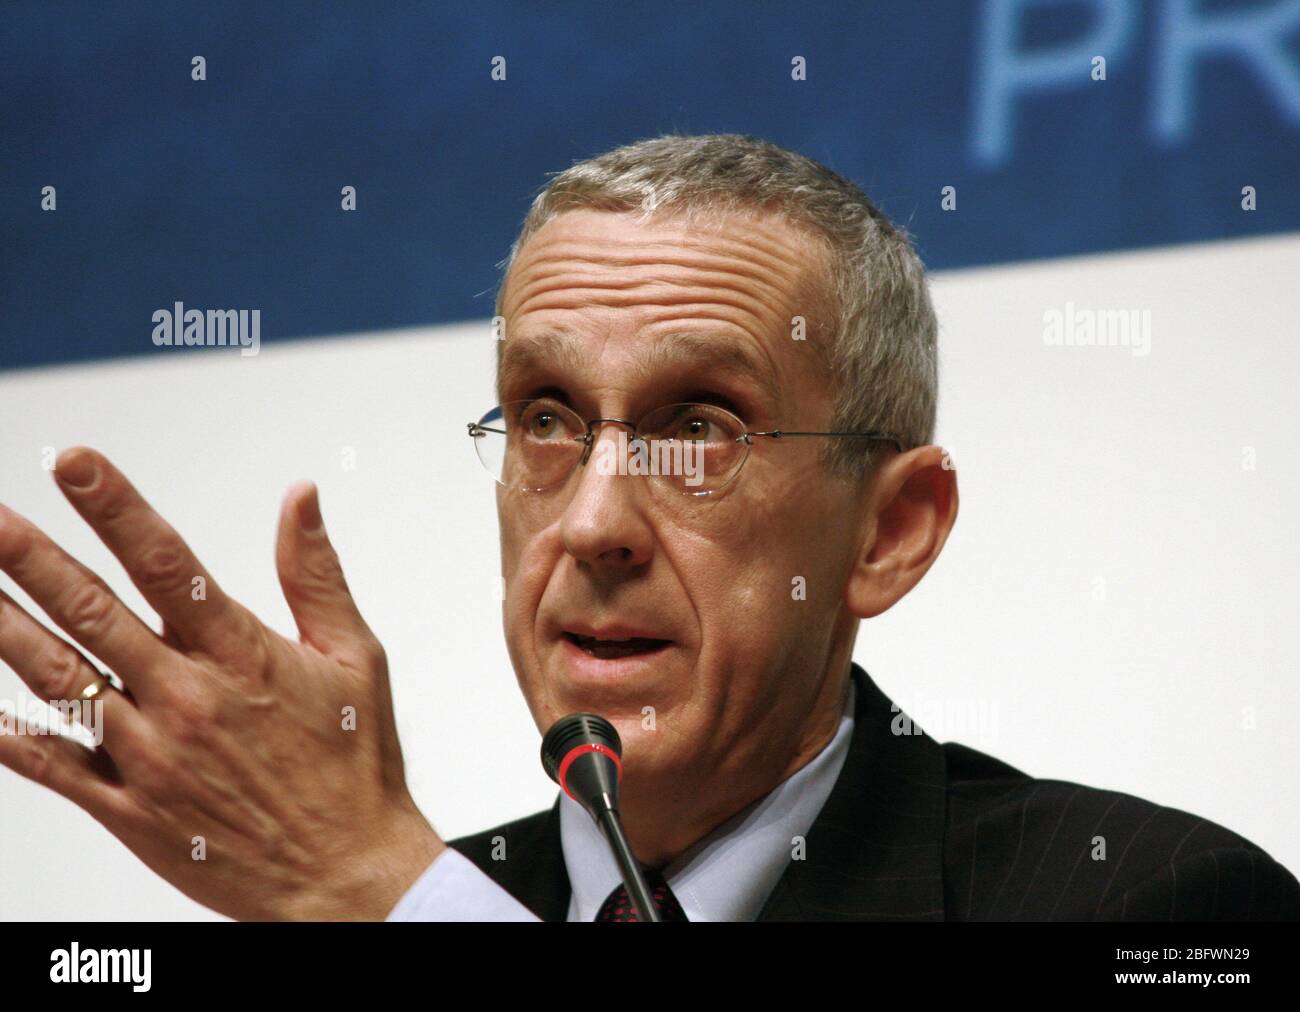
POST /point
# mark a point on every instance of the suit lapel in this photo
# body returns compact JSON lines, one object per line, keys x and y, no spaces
{"x":875,"y":851}
{"x":533,"y":871}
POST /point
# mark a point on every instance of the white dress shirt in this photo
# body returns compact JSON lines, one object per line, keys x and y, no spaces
{"x":726,"y":876}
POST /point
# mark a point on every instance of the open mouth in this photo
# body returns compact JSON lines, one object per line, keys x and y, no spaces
{"x":611,"y":649}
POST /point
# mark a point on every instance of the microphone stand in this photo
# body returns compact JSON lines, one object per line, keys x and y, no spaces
{"x":633,"y":878}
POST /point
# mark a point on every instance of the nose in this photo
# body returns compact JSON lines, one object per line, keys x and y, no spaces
{"x":604,"y":524}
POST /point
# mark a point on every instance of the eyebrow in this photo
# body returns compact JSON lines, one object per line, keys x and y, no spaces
{"x":698,"y":351}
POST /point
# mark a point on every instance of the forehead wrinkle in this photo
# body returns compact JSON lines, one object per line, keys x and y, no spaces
{"x":747,"y":289}
{"x":758,"y":255}
{"x":753,"y":263}
{"x":697,"y":350}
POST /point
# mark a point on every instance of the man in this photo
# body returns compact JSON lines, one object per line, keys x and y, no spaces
{"x":750,"y":311}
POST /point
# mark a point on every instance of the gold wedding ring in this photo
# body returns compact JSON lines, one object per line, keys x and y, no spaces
{"x":69,"y":711}
{"x":95,"y":688}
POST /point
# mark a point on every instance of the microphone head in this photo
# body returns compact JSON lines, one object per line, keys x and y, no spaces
{"x":583,"y":754}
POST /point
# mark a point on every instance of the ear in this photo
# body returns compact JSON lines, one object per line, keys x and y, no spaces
{"x":911,"y":507}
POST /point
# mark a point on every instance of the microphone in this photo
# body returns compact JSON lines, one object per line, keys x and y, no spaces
{"x":582,"y":753}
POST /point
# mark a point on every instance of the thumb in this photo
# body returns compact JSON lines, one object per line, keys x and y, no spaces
{"x":312,"y":580}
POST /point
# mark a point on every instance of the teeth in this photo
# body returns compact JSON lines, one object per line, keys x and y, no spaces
{"x":622,"y":646}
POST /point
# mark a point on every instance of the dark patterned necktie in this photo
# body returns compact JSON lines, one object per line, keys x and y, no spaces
{"x":619,"y":906}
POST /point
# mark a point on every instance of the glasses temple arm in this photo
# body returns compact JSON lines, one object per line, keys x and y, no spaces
{"x":884,"y":436}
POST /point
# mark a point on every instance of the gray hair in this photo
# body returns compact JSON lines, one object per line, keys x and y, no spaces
{"x":882,"y":357}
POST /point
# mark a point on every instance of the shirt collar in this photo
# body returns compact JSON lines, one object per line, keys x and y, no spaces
{"x":728,"y":875}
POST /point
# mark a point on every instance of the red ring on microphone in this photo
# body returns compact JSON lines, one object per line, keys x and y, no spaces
{"x":591,"y":746}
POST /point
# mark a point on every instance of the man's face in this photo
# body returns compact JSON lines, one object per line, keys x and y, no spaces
{"x":592,"y":305}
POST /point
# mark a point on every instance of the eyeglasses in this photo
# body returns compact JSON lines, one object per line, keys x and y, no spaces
{"x":694,"y":449}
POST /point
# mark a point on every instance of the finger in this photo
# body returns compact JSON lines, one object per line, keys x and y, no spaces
{"x":313,"y":583}
{"x":85,"y":777}
{"x":155,"y":557}
{"x":58,"y":673}
{"x":81,"y":603}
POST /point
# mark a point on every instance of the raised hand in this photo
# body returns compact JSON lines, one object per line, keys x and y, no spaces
{"x":261,"y":777}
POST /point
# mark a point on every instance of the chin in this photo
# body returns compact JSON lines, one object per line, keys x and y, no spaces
{"x":642,"y":758}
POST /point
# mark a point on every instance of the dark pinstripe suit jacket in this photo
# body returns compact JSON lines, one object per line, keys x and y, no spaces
{"x":918,"y":831}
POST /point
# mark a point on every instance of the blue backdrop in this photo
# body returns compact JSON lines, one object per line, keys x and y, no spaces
{"x":225,"y":192}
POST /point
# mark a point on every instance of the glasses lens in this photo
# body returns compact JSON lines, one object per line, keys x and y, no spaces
{"x":694,"y":448}
{"x":529,"y":444}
